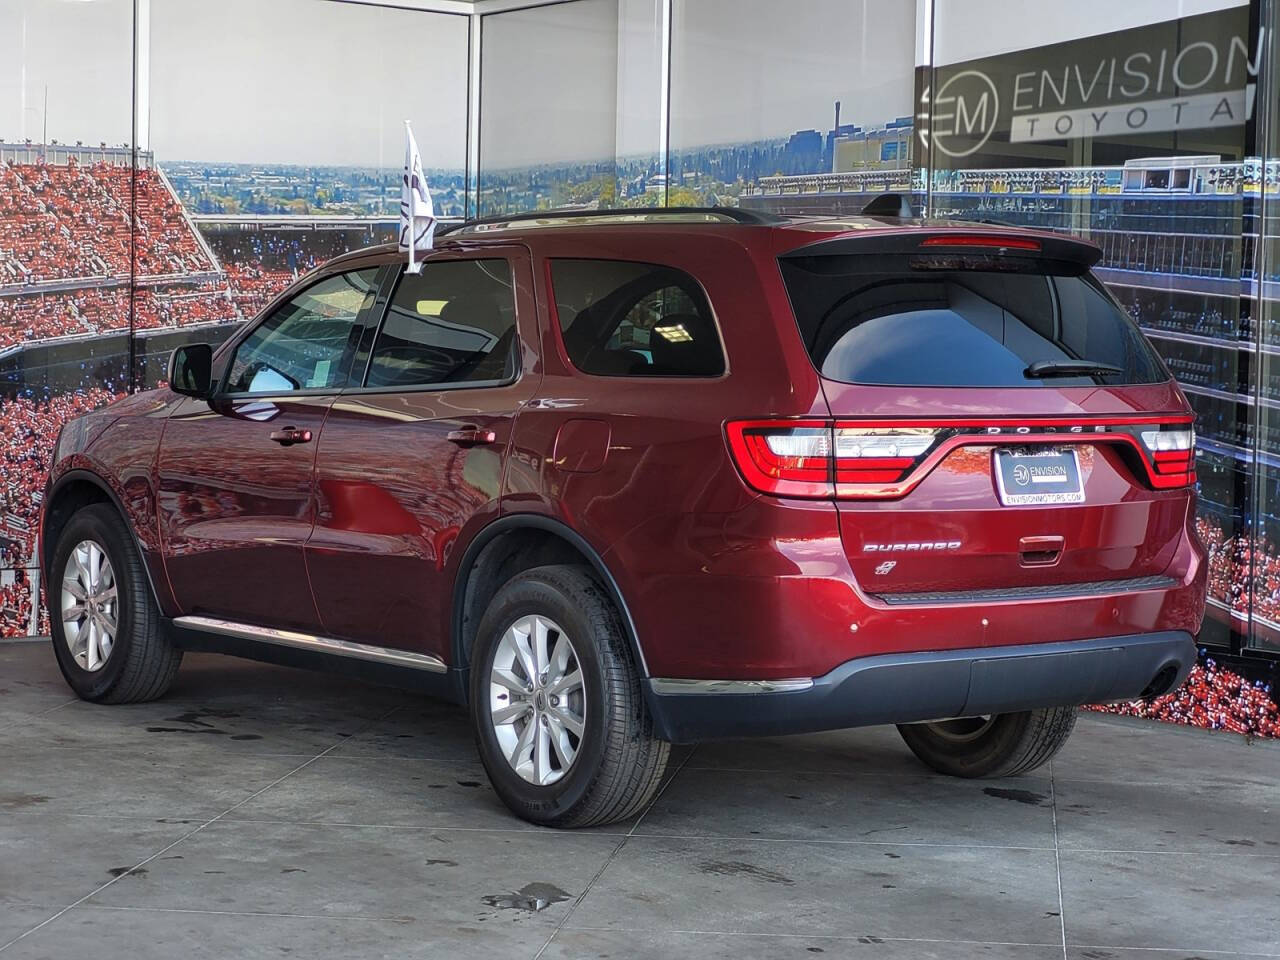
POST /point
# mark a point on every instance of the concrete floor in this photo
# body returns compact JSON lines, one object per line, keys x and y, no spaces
{"x":266,"y":812}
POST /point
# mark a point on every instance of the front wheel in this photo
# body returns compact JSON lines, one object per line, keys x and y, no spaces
{"x":105,"y":626}
{"x":999,"y":745}
{"x":556,"y":702}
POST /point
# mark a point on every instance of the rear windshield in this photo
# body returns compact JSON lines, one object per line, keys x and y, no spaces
{"x":927,"y":321}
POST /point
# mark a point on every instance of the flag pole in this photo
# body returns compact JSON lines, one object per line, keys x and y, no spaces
{"x":408,"y":172}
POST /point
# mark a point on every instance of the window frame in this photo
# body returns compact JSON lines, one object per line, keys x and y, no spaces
{"x":227,"y":356}
{"x":562,"y":350}
{"x":390,"y":282}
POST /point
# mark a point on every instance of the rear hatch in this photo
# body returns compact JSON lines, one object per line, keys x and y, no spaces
{"x":998,"y":423}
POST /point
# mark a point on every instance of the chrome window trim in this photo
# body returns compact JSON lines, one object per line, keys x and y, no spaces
{"x":674,"y":685}
{"x":307,"y":641}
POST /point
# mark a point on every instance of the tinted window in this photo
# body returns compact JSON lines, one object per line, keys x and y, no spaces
{"x":622,"y":319}
{"x":910,"y":321}
{"x":306,"y":343}
{"x":454,"y":322}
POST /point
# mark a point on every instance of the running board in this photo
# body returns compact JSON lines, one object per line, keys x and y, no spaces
{"x":307,"y":641}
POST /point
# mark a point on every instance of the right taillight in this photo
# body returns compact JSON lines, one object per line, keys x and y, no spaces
{"x":1171,"y":449}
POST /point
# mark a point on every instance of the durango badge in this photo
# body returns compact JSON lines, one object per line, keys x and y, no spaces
{"x":934,"y":545}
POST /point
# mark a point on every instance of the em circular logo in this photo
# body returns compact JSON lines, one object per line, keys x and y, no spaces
{"x":965,"y":109}
{"x":1021,"y":475}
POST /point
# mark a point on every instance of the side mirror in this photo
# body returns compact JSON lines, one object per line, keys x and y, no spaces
{"x":191,"y":371}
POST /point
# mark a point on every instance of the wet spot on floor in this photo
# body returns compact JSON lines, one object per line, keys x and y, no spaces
{"x":442,"y":863}
{"x":531,"y":898}
{"x":17,"y":801}
{"x":184,"y":730}
{"x":737,"y":868}
{"x":815,"y":949}
{"x":468,"y":783}
{"x":128,"y":871}
{"x":1018,"y":796}
{"x":894,"y":856}
{"x":293,"y":870}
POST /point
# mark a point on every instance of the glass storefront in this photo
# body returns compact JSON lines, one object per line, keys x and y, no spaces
{"x":155,"y":190}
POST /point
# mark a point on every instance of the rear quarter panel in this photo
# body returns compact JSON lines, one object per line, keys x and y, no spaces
{"x":664,"y":509}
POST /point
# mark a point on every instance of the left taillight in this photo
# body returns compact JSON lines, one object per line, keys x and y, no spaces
{"x":814,"y":459}
{"x":787,"y":458}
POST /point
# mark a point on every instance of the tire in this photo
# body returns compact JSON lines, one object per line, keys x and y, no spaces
{"x":618,"y":763}
{"x":141,"y":662}
{"x":1008,"y":744}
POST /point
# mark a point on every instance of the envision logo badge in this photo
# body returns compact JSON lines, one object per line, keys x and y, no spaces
{"x":964,"y":110}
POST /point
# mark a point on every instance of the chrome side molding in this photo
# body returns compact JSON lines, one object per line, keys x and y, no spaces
{"x":307,"y":641}
{"x":676,"y":685}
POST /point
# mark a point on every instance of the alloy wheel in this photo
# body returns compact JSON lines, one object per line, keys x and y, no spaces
{"x":90,"y":605}
{"x":537,"y":700}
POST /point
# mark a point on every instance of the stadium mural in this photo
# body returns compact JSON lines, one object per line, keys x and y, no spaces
{"x":1144,"y":136}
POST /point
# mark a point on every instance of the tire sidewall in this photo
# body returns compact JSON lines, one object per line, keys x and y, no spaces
{"x":520,"y":598}
{"x":974,"y":758}
{"x":88,"y":524}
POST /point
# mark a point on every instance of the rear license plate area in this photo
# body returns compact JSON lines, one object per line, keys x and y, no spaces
{"x":1035,"y":475}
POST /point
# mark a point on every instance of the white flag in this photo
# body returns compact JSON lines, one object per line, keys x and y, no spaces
{"x":417,"y":214}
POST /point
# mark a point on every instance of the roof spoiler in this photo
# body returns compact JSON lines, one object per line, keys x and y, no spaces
{"x":966,"y":246}
{"x":888,"y":205}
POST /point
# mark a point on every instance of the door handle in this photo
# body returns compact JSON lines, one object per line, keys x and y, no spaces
{"x":291,"y":435}
{"x":470,"y":436}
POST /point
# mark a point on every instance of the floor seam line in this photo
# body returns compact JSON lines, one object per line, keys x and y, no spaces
{"x":1057,"y":858}
{"x":186,"y":836}
{"x":614,"y":855}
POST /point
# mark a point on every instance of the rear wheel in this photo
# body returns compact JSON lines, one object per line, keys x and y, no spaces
{"x":559,"y":715}
{"x":102,"y":617}
{"x":997,"y":745}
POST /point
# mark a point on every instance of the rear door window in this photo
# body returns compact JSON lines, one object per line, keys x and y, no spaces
{"x":910,"y":321}
{"x":454,"y":322}
{"x":624,"y":319}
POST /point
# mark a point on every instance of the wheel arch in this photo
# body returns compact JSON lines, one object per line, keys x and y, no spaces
{"x":502,"y":549}
{"x":75,"y":489}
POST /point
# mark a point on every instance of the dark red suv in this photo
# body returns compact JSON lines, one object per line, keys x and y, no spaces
{"x":623,"y":480}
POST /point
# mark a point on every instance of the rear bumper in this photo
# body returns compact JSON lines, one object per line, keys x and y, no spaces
{"x":911,"y":687}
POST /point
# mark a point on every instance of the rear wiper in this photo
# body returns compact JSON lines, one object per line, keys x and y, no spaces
{"x":1068,"y":368}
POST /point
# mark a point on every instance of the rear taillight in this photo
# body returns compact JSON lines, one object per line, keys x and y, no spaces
{"x":822,"y":459}
{"x":814,"y":459}
{"x":1171,"y":452}
{"x":872,"y":455}
{"x":786,"y":458}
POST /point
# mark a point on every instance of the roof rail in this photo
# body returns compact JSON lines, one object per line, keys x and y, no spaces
{"x":734,"y":214}
{"x":888,"y":205}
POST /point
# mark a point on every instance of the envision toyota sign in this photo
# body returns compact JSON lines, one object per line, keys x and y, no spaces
{"x":1192,"y":74}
